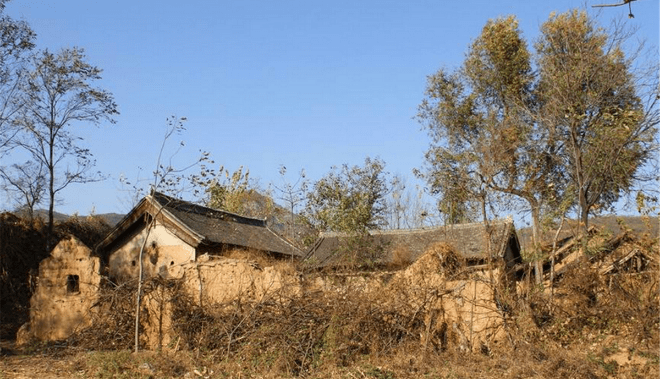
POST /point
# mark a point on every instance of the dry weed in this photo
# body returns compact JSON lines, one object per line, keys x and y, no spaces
{"x":296,"y":334}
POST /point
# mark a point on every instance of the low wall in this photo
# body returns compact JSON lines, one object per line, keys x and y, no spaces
{"x":457,"y":303}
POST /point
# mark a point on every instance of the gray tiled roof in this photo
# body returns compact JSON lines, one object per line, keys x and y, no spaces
{"x":221,"y":227}
{"x":200,"y":225}
{"x":469,"y":240}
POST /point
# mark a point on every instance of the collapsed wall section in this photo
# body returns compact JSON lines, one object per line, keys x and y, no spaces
{"x":68,"y":287}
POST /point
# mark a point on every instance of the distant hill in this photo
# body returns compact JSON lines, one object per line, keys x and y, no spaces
{"x":110,"y":218}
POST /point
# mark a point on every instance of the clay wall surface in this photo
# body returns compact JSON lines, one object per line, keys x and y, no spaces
{"x":212,"y":281}
{"x":163,"y":250}
{"x":68,"y":286}
{"x":458,"y":301}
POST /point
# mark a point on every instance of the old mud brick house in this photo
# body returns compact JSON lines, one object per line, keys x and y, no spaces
{"x":182,"y":232}
{"x":185,"y":238}
{"x":474,"y":242}
{"x":456,"y":274}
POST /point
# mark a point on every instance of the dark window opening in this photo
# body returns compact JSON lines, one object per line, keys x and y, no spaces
{"x":72,"y":284}
{"x":133,"y":263}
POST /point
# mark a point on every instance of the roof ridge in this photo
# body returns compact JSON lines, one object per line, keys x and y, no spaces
{"x":200,"y":209}
{"x":506,"y":221}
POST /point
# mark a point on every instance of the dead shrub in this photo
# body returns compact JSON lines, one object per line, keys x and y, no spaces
{"x":113,"y":315}
{"x":263,"y":260}
{"x":296,"y":334}
{"x":401,"y":258}
{"x":589,"y":303}
{"x":445,"y":258}
{"x":89,"y":230}
{"x":113,"y":320}
{"x":22,"y":247}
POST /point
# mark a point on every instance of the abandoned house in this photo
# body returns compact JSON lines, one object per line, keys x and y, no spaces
{"x":182,"y":232}
{"x":401,"y":247}
{"x":189,"y":242}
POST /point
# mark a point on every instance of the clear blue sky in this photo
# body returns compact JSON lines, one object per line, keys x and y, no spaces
{"x":307,"y":84}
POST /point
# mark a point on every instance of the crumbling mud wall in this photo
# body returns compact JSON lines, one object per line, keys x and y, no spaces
{"x":216,"y":280}
{"x":67,"y":289}
{"x":438,"y":298}
{"x":458,"y":303}
{"x":211,"y":281}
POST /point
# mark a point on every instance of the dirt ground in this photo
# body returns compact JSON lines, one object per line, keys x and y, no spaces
{"x":27,"y":366}
{"x":597,"y":360}
{"x":30,"y":367}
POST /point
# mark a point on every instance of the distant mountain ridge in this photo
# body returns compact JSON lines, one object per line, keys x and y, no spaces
{"x":110,"y":218}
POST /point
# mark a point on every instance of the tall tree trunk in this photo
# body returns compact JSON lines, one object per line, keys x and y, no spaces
{"x":584,"y":222}
{"x":150,"y":225}
{"x":583,"y":212}
{"x":51,"y":191}
{"x":536,"y":242}
{"x":552,"y":261}
{"x":488,"y":239}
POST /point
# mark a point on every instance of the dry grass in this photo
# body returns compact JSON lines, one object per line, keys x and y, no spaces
{"x":296,"y":335}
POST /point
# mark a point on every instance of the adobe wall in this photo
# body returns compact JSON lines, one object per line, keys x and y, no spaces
{"x":163,"y":250}
{"x":461,"y":301}
{"x":212,"y":280}
{"x":68,"y":285}
{"x":458,"y":303}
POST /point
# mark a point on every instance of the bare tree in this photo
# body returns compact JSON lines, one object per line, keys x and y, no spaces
{"x":406,"y":207}
{"x":16,"y":42}
{"x":292,"y":194}
{"x":166,"y":178}
{"x":59,"y":93}
{"x":26,"y":184}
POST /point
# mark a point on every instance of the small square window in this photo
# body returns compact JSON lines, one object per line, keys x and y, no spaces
{"x":72,"y":284}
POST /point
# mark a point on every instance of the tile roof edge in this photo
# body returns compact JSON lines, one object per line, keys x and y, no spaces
{"x":507,"y":221}
{"x":162,"y":209}
{"x":297,"y":251}
{"x":209,"y":209}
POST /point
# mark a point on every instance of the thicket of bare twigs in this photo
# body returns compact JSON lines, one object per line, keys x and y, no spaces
{"x":588,"y":304}
{"x":113,"y":320}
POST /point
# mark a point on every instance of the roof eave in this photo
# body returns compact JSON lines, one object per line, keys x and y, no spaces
{"x":153,"y":208}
